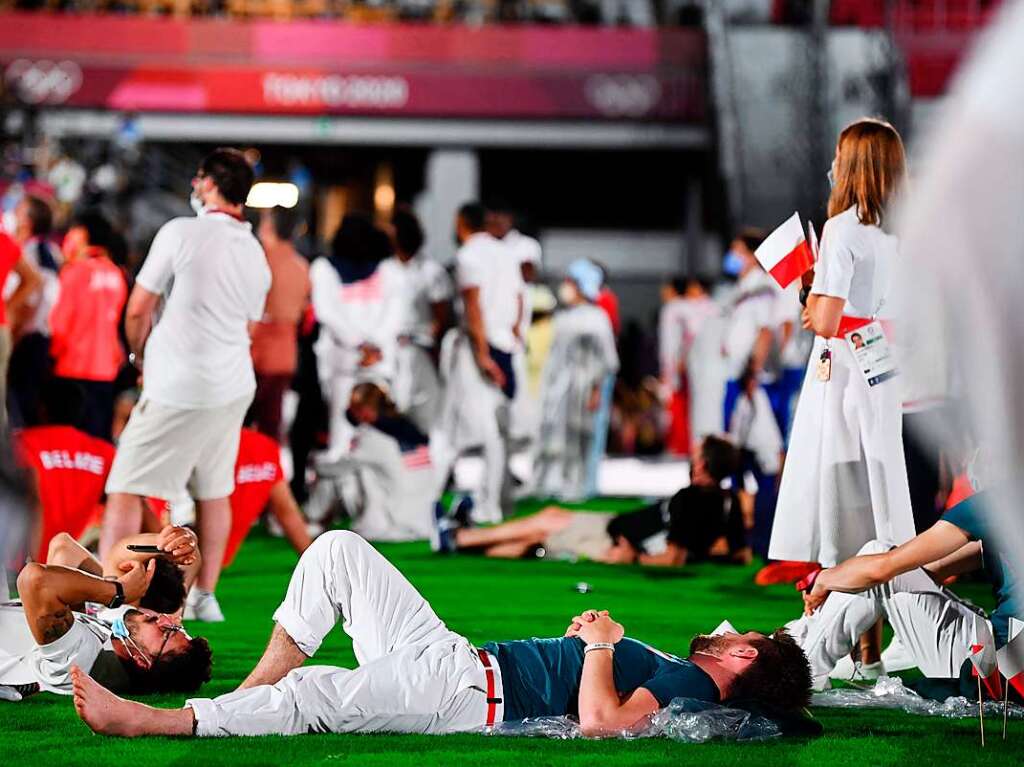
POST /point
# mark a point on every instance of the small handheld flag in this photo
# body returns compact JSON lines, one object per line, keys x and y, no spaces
{"x":983,"y":657}
{"x":1011,"y":664}
{"x":785,"y":254}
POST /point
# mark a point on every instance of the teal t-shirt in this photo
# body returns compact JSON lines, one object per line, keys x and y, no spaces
{"x":969,"y":517}
{"x":541,"y":677}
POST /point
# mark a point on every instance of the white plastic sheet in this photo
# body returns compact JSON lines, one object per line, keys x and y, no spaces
{"x":891,"y":693}
{"x":684,"y":720}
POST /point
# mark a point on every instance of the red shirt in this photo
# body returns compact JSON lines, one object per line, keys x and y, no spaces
{"x":71,"y":470}
{"x":85,"y":321}
{"x":257,"y":470}
{"x":610,"y":303}
{"x":10,"y":252}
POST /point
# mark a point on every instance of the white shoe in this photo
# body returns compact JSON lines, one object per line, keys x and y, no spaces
{"x":202,"y":606}
{"x":848,"y":671}
{"x":896,"y":657}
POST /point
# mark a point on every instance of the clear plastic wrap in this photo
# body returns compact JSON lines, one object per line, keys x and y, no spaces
{"x":684,"y":720}
{"x":890,"y":692}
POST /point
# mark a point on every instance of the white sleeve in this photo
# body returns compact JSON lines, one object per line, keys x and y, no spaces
{"x":258,"y":303}
{"x":326,"y":298}
{"x":669,"y":346}
{"x":439,"y":286}
{"x":158,"y":269}
{"x":52,"y":662}
{"x":834,"y":271}
{"x":606,"y":337}
{"x":530,"y":252}
{"x":468,"y":270}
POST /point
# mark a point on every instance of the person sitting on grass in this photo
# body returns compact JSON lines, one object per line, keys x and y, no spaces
{"x":700,"y":521}
{"x":903,"y":584}
{"x":48,"y":633}
{"x":416,"y":675}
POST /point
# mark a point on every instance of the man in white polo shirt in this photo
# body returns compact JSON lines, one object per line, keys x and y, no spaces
{"x":481,"y":382}
{"x":212,"y":276}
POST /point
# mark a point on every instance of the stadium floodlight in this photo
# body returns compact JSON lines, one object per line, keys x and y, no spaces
{"x":270,"y":194}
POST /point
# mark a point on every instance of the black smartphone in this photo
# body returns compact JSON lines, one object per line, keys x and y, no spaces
{"x":139,"y":548}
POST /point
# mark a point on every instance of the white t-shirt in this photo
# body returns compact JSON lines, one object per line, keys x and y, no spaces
{"x":22,"y":661}
{"x":420,"y":282}
{"x":857,"y":263}
{"x":753,"y":308}
{"x":525,"y":250}
{"x":679,"y":322}
{"x":214,"y":277}
{"x":44,"y":301}
{"x":486,"y":263}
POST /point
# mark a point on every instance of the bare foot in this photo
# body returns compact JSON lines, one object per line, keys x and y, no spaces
{"x":103,"y":711}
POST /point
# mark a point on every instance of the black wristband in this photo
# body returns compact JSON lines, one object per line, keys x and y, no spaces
{"x":118,"y":598}
{"x":805,"y":293}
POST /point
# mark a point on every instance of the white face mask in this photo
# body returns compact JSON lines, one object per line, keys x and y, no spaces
{"x":196,"y":203}
{"x":567,"y":293}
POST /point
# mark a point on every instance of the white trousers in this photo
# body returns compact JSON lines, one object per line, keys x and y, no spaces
{"x":414,"y":674}
{"x":417,"y":388}
{"x":472,"y":399}
{"x":931,"y":622}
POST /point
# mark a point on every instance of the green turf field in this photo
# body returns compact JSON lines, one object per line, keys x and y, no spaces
{"x":486,"y":599}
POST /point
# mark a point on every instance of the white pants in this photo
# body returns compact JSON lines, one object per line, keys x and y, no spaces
{"x":931,"y":622}
{"x":417,"y":390}
{"x":471,"y":398}
{"x":414,"y":674}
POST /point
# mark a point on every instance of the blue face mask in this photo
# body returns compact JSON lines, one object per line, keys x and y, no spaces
{"x":118,"y":629}
{"x":732,"y":264}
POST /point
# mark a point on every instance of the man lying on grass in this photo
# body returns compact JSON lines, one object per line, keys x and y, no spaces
{"x":701,"y":521}
{"x":415,"y":675}
{"x":48,"y":632}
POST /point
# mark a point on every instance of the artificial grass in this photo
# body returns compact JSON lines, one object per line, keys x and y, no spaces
{"x":490,"y":599}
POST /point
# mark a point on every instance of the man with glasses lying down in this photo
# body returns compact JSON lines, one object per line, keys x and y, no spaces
{"x":416,"y":675}
{"x":140,"y":651}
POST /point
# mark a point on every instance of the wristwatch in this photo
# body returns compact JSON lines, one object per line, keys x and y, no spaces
{"x":118,"y":598}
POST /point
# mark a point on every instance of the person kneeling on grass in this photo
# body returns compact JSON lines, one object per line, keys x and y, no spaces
{"x":904,"y":585}
{"x":47,"y":634}
{"x":700,"y":521}
{"x":416,"y":675}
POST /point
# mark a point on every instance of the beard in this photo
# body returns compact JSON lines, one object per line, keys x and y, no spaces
{"x":708,"y":645}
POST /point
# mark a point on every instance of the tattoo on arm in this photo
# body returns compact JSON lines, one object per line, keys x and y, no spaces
{"x":53,"y":626}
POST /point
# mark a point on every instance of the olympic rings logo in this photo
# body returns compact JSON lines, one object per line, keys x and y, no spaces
{"x":43,"y":81}
{"x":623,"y":95}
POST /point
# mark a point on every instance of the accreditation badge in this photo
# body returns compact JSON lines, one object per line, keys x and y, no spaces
{"x":873,"y":353}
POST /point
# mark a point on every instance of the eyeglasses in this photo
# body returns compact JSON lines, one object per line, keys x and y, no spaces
{"x":169,"y":631}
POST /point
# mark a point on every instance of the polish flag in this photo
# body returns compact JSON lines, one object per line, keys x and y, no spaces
{"x":1011,"y":657}
{"x":983,"y":657}
{"x":785,"y":254}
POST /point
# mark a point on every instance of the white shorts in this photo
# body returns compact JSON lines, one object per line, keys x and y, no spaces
{"x":165,"y":450}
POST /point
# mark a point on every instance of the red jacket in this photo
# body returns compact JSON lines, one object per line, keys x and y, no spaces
{"x":84,"y":323}
{"x":10,"y":252}
{"x":71,"y":470}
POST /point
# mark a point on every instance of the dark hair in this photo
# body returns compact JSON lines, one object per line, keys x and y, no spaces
{"x":184,"y":671}
{"x":284,"y":220}
{"x":473,"y":215}
{"x":166,"y":592}
{"x":752,"y":237}
{"x":720,"y":456}
{"x":780,"y":678}
{"x":358,"y":241}
{"x":231,"y":172}
{"x":40,"y":215}
{"x":500,"y":205}
{"x":408,"y":232}
{"x":678,"y":283}
{"x":98,"y":229}
{"x":61,"y":402}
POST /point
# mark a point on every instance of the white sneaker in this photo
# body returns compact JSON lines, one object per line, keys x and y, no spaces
{"x":897,"y":657}
{"x":848,"y":671}
{"x":202,"y":606}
